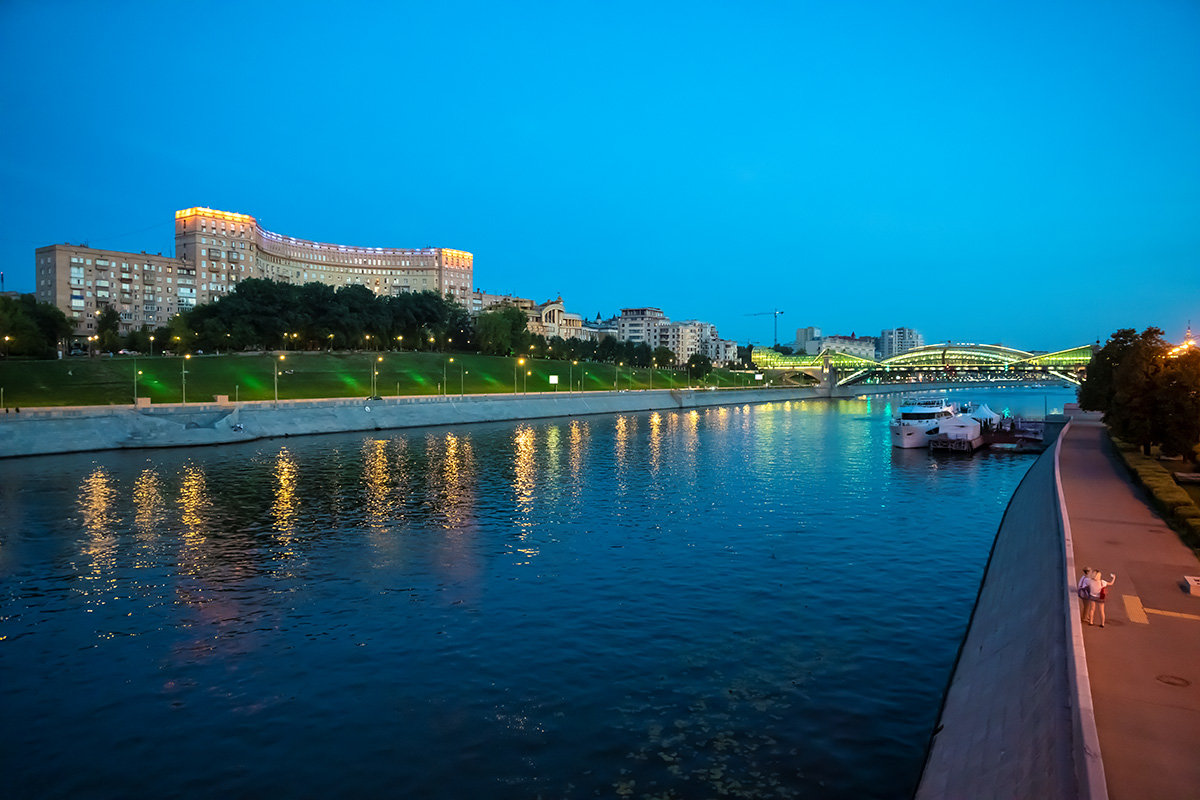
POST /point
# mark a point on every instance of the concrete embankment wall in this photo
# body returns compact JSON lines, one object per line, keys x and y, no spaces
{"x":1015,"y":717}
{"x":81,"y":429}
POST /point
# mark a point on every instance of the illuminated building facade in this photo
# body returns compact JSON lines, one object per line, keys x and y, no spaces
{"x":216,"y":250}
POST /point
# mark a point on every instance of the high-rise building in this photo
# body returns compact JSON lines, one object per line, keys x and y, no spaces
{"x":894,"y":341}
{"x":216,"y":250}
{"x":640,"y":325}
{"x":808,"y":340}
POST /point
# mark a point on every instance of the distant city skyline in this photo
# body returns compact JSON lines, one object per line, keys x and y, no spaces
{"x":1024,"y":175}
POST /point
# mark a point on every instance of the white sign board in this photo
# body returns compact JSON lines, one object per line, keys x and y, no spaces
{"x":758,"y":376}
{"x":553,"y":379}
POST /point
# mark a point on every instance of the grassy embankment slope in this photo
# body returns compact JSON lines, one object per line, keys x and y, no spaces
{"x":105,"y":380}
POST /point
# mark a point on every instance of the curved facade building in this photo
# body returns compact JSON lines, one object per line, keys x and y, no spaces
{"x":223,"y":248}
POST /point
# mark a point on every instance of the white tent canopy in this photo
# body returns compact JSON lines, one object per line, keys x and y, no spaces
{"x":984,"y":414}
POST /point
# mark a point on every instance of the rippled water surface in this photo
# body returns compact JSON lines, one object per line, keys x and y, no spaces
{"x":754,"y":601}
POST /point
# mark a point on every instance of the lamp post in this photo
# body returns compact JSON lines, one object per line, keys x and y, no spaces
{"x":375,"y":376}
{"x":571,"y":387}
{"x":183,"y":375}
{"x":617,"y":373}
{"x":652,"y":374}
{"x":399,"y":339}
{"x":431,"y":344}
{"x":462,"y":381}
{"x":136,"y":372}
{"x":276,"y":365}
{"x":152,"y":345}
{"x":519,"y":362}
{"x":525,"y":387}
{"x":7,"y":339}
{"x":444,"y":392}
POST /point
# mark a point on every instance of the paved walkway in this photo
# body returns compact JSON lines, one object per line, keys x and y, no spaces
{"x":1144,"y":665}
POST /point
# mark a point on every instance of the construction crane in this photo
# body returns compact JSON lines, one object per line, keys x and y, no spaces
{"x":775,"y":314}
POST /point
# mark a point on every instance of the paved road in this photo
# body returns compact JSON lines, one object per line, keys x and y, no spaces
{"x":1144,"y":665}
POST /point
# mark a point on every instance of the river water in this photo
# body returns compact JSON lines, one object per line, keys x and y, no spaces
{"x":751,"y":601}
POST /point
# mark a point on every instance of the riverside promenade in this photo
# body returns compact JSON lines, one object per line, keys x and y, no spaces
{"x":1144,"y":665}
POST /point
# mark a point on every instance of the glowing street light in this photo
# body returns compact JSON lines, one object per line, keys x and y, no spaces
{"x":136,"y":372}
{"x":444,"y":392}
{"x":183,"y":375}
{"x":519,"y":362}
{"x":152,"y":345}
{"x":617,"y":373}
{"x":652,"y":374}
{"x":276,"y":365}
{"x":571,"y":387}
{"x":7,"y":339}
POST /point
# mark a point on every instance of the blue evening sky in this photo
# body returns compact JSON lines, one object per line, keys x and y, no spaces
{"x":1017,"y":172}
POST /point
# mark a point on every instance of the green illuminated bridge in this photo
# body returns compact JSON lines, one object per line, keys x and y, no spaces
{"x":933,"y":363}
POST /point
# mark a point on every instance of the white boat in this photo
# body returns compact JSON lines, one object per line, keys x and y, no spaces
{"x":916,"y":423}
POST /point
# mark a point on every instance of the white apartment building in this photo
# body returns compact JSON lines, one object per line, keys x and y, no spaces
{"x":639,"y":325}
{"x":863,"y":346}
{"x":894,"y":341}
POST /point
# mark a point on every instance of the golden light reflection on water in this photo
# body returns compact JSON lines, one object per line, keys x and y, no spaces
{"x":524,"y":472}
{"x":655,"y":443}
{"x":553,"y":443}
{"x":285,"y":510}
{"x":97,"y":501}
{"x":577,"y":438}
{"x":194,"y":504}
{"x":691,"y":432}
{"x":97,"y":498}
{"x":378,"y":501}
{"x":455,"y":478}
{"x":149,"y":505}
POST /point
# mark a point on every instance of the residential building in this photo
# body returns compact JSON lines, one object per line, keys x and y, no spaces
{"x":640,"y":325}
{"x":894,"y":341}
{"x":863,"y":346}
{"x":216,"y":250}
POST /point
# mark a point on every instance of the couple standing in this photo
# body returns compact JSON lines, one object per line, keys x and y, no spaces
{"x":1092,"y":593}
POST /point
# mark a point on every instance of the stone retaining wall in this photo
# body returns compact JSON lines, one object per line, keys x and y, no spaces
{"x":82,"y":429}
{"x":1012,"y":722}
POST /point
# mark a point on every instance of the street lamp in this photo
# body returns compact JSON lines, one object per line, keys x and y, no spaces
{"x":136,"y":372}
{"x":399,"y":339}
{"x":431,"y":344}
{"x":652,"y":374}
{"x":520,"y":362}
{"x":525,"y":388}
{"x":183,"y":375}
{"x":276,"y":365}
{"x":7,"y":339}
{"x":462,"y":381}
{"x":152,"y":345}
{"x":375,"y":376}
{"x":444,"y":392}
{"x":571,"y":388}
{"x":617,"y":373}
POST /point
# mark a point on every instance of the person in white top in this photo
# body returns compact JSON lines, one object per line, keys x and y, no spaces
{"x":1097,"y":591}
{"x":1085,"y":597}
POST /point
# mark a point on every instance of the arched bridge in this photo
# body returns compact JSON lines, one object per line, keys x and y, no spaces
{"x":934,"y":362}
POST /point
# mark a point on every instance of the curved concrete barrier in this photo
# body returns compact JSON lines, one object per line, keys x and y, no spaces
{"x":1016,"y":718}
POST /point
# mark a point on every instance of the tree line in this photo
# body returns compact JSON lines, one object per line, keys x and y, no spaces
{"x":1148,"y":390}
{"x":262,"y":314}
{"x":32,"y":329}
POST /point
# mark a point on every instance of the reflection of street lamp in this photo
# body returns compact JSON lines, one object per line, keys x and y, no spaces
{"x":519,"y":362}
{"x":276,"y":365}
{"x":183,"y":375}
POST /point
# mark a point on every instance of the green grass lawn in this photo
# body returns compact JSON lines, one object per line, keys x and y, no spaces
{"x":106,"y":380}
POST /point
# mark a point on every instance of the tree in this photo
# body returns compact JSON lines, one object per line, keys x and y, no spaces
{"x":33,"y":328}
{"x":1096,"y":393}
{"x":494,"y":333}
{"x":1177,"y":403}
{"x":664,"y":356}
{"x":699,"y":365}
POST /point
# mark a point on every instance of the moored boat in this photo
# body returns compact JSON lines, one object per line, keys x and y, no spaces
{"x":916,"y":423}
